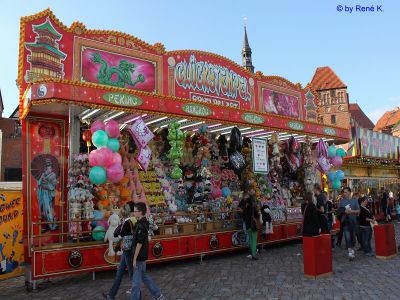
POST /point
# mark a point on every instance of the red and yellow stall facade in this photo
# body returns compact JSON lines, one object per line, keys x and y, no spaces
{"x":69,"y":72}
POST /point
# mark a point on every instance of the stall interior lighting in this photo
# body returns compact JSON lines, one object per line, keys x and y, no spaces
{"x":90,"y":114}
{"x":135,"y":118}
{"x":220,"y":129}
{"x":123,"y":126}
{"x":114,"y":116}
{"x":181,"y":121}
{"x":156,"y":120}
{"x":253,"y":131}
{"x":191,"y":125}
{"x":84,"y":112}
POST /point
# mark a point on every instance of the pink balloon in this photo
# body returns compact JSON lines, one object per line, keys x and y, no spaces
{"x":92,"y":158}
{"x":115,"y":173}
{"x":117,"y":159}
{"x":337,"y":161}
{"x":103,"y":223}
{"x":112,"y":129}
{"x":97,"y":125}
{"x":104,"y":157}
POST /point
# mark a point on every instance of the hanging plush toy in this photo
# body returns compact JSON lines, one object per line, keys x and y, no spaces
{"x":113,"y":222}
{"x":175,"y":138}
{"x":266,"y":220}
{"x":235,"y":146}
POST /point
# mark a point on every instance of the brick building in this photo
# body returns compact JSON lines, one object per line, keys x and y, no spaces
{"x":333,"y":99}
{"x":11,"y":146}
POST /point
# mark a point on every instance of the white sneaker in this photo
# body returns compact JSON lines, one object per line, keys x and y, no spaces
{"x":249,"y":256}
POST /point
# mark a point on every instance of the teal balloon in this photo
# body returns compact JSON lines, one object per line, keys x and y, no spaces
{"x":336,"y":184}
{"x":332,"y":151}
{"x":340,"y":174}
{"x":332,"y":176}
{"x":98,"y":175}
{"x":341,"y":152}
{"x":113,"y":145}
{"x":98,"y":233}
{"x":100,"y":139}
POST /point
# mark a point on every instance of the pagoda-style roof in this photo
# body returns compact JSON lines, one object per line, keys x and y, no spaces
{"x":46,"y":26}
{"x":325,"y":78}
{"x":48,"y":47}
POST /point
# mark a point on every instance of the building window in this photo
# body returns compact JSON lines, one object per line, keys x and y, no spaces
{"x":13,"y":174}
{"x":333,"y":119}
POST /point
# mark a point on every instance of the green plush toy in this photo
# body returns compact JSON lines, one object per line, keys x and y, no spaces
{"x":175,"y":138}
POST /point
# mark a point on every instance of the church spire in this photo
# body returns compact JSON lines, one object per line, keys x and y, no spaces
{"x":246,"y":53}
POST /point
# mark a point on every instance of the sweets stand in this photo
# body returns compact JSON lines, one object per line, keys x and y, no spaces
{"x":66,"y":82}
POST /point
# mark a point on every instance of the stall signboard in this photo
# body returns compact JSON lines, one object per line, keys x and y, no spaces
{"x":376,"y":144}
{"x":260,"y":155}
{"x":11,"y":238}
{"x":212,"y":80}
{"x":49,"y":50}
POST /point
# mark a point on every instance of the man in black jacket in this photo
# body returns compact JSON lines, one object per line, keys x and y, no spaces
{"x":140,"y":250}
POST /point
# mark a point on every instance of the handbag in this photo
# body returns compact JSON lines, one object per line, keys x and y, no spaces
{"x":127,"y":240}
{"x":255,"y":222}
{"x":117,"y":246}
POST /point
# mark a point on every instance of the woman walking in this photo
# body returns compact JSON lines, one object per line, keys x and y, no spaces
{"x":124,"y":231}
{"x":251,"y":217}
{"x":365,"y":227}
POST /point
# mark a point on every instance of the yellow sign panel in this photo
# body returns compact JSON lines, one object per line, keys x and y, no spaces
{"x":11,"y":239}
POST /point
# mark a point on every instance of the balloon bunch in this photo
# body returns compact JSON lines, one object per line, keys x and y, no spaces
{"x":175,"y":138}
{"x":105,"y":161}
{"x":336,"y":159}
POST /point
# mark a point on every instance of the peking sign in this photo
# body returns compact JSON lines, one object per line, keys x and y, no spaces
{"x":211,"y":80}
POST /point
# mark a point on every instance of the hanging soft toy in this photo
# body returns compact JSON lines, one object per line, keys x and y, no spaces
{"x":235,"y":145}
{"x":175,"y":138}
{"x":266,"y":220}
{"x":292,"y":157}
{"x":322,"y":153}
{"x":113,"y":222}
{"x":223,"y":151}
{"x":276,"y":152}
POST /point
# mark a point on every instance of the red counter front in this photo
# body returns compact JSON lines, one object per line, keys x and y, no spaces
{"x":317,"y":253}
{"x":385,"y":241}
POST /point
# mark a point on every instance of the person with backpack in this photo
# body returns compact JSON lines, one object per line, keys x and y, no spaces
{"x":125,"y":232}
{"x":140,"y":249}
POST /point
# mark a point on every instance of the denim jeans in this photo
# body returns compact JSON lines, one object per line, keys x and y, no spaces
{"x":125,"y":262}
{"x":366,"y":235}
{"x":349,"y":233}
{"x":139,"y":276}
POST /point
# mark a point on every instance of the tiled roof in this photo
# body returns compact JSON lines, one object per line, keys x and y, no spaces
{"x":324,"y":78}
{"x":389,"y":119}
{"x":360,"y":117}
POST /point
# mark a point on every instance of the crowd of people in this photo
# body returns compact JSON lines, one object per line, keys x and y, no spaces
{"x":353,"y":211}
{"x":319,"y":215}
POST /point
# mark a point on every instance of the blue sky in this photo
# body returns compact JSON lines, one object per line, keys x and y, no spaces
{"x":290,"y":38}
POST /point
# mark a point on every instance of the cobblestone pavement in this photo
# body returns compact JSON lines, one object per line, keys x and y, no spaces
{"x":278,"y":274}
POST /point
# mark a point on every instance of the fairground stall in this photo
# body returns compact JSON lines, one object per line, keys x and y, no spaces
{"x":108,"y":118}
{"x":373,"y":163}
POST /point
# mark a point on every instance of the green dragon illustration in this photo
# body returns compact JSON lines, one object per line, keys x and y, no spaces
{"x":124,"y":72}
